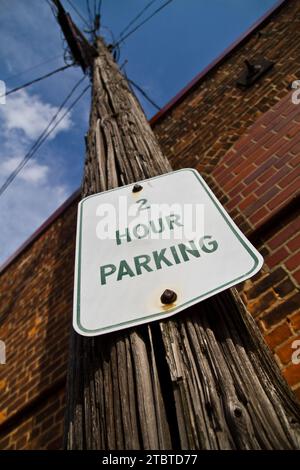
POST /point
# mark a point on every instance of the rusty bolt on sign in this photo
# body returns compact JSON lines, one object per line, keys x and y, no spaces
{"x":137,"y":188}
{"x":168,"y":297}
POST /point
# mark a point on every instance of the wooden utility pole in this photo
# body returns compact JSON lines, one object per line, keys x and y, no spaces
{"x":203,"y":379}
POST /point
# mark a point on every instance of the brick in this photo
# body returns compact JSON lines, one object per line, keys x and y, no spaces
{"x":250,"y":188}
{"x":264,"y":251}
{"x":266,"y":175}
{"x":294,"y":244}
{"x":285,"y":195}
{"x":233,"y":202}
{"x":237,"y":189}
{"x":262,"y":303}
{"x":277,"y":257}
{"x":284,"y":288}
{"x":260,"y":170}
{"x":296,"y":276}
{"x":280,"y":312}
{"x":282,"y":160}
{"x":3,"y":416}
{"x":51,"y":434}
{"x":3,"y":384}
{"x":282,"y":236}
{"x":293,"y":262}
{"x":21,"y":443}
{"x":290,"y":177}
{"x":47,"y":423}
{"x":276,"y":178}
{"x":266,"y":282}
{"x":295,"y":322}
{"x":293,"y":130}
{"x":288,"y":144}
{"x":4,"y":442}
{"x":236,"y":180}
{"x":277,"y":336}
{"x":247,"y":201}
{"x":296,"y":150}
{"x":259,"y":215}
{"x":55,"y":444}
{"x":267,"y":196}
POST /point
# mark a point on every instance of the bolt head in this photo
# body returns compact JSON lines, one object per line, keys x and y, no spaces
{"x":136,"y":188}
{"x":168,"y":297}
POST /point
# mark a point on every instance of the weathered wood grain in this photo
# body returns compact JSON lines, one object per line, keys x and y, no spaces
{"x":203,"y":379}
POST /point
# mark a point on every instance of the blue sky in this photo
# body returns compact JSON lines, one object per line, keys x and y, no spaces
{"x":162,"y":57}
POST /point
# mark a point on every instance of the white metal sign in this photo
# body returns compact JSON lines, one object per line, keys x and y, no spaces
{"x":147,"y":251}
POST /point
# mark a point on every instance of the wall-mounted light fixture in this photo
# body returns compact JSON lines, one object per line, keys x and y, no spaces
{"x":253,"y":72}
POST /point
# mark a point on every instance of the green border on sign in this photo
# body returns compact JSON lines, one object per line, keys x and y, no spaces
{"x":155,"y":315}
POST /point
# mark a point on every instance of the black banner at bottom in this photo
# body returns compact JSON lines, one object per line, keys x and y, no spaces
{"x":133,"y":459}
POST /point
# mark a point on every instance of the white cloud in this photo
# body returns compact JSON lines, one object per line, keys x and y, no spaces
{"x":35,"y":173}
{"x":29,"y":114}
{"x":23,"y":118}
{"x":43,"y":183}
{"x":37,"y":191}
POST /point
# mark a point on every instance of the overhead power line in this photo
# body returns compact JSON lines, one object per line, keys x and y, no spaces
{"x":25,"y":85}
{"x":46,"y":133}
{"x":122,"y":39}
{"x":136,"y":18}
{"x":145,"y":95}
{"x":99,"y":7}
{"x":79,"y":14}
{"x":89,"y":11}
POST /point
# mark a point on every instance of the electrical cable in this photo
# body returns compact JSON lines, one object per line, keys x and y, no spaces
{"x":32,"y":68}
{"x":145,"y":95}
{"x":89,"y":11}
{"x":99,"y":7}
{"x":79,"y":14}
{"x":25,"y":85}
{"x":51,"y":5}
{"x":45,"y":134}
{"x":122,"y":39}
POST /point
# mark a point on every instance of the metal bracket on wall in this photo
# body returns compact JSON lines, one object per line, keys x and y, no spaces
{"x":253,"y":72}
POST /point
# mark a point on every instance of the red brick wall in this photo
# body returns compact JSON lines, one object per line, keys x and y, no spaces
{"x":261,"y":172}
{"x":256,"y":180}
{"x":42,"y":428}
{"x":35,"y":318}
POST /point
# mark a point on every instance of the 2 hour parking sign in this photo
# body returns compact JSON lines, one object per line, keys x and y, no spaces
{"x":149,"y":250}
